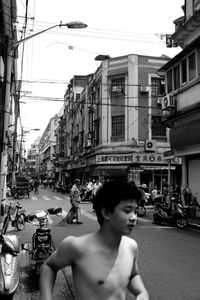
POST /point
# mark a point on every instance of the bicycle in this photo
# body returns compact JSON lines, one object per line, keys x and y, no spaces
{"x":18,"y":219}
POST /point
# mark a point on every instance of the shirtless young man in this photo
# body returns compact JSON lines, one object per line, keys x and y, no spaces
{"x":104,"y":263}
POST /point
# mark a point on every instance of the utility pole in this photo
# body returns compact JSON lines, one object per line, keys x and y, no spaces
{"x":17,"y":97}
{"x":4,"y":154}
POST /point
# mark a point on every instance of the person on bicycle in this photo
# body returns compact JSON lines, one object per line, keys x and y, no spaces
{"x":75,"y":199}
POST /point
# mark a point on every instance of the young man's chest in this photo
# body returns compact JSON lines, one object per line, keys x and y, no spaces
{"x":105,"y":271}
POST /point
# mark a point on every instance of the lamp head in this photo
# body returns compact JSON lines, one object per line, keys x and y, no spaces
{"x":75,"y":25}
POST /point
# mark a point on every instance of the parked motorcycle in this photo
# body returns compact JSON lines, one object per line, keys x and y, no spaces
{"x":86,"y":195}
{"x":41,"y":240}
{"x":60,"y":188}
{"x":9,"y":264}
{"x":175,"y":217}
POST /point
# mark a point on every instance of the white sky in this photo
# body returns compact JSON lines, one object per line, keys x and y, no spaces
{"x":115,"y":27}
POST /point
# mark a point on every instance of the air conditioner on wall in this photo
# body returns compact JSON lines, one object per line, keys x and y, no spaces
{"x":168,"y":101}
{"x":150,"y":145}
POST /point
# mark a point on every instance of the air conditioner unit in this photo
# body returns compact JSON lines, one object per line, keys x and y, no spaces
{"x":144,"y":89}
{"x":150,"y":145}
{"x":168,"y":101}
{"x":88,"y":143}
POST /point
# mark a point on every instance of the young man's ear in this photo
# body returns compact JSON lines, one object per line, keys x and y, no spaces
{"x":105,"y":213}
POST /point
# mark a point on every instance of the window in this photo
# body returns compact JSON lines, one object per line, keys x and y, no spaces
{"x":169,"y":81}
{"x":157,"y":86}
{"x":184,"y":70}
{"x":192,"y":66}
{"x":158,"y":127}
{"x":176,"y":77}
{"x":118,"y":125}
{"x":117,"y":86}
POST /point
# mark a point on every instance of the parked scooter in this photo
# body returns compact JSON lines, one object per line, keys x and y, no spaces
{"x":174,"y":217}
{"x":41,"y":241}
{"x":9,"y":264}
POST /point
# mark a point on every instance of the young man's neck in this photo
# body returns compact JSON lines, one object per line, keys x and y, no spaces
{"x":108,"y":238}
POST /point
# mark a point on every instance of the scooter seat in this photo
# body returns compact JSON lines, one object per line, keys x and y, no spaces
{"x":43,"y":230}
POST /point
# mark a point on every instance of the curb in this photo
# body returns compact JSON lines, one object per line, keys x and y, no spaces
{"x":195,"y":226}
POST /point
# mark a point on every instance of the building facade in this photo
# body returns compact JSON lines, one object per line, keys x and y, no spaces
{"x":181,"y":104}
{"x":115,"y":124}
{"x":47,"y":149}
{"x":33,"y":160}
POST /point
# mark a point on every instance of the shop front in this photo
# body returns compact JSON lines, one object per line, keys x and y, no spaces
{"x":153,"y":170}
{"x":185,"y":140}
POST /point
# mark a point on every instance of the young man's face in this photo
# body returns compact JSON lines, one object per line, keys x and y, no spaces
{"x":123,"y":218}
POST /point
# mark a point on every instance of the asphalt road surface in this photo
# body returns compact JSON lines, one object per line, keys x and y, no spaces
{"x":168,"y":257}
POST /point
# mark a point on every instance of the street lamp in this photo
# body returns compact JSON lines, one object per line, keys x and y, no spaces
{"x":10,"y":54}
{"x":70,"y":25}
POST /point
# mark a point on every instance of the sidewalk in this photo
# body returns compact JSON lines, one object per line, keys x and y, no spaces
{"x":194,"y":222}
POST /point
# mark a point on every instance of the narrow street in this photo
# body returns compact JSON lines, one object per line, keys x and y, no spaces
{"x":168,"y":257}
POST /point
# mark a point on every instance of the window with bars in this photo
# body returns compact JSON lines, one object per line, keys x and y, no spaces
{"x":118,"y":126}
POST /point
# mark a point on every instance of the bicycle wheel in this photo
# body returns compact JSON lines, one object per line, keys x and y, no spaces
{"x":20,"y":223}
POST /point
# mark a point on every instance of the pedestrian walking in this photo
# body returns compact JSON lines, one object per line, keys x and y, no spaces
{"x":187,"y":194}
{"x":104,"y":263}
{"x":75,"y":200}
{"x":36,"y":186}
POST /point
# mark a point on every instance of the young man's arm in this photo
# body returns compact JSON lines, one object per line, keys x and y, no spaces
{"x":62,"y":257}
{"x":136,"y":285}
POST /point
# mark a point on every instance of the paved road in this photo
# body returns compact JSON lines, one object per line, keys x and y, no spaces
{"x":168,"y":261}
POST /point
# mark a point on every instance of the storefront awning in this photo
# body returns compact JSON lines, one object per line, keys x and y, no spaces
{"x":112,"y":167}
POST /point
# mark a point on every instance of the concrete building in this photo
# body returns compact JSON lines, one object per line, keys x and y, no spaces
{"x":181,"y":104}
{"x":33,"y":159}
{"x":67,"y":130}
{"x":115,"y":124}
{"x":47,"y":148}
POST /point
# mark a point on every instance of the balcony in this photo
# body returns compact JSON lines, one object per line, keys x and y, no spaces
{"x":186,"y":30}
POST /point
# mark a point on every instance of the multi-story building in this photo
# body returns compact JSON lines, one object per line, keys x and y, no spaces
{"x":8,"y":100}
{"x":32,"y":161}
{"x":68,"y":129}
{"x":47,"y":148}
{"x":115,"y":125}
{"x":181,"y":103}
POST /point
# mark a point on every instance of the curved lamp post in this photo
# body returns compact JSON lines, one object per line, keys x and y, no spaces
{"x":10,"y":54}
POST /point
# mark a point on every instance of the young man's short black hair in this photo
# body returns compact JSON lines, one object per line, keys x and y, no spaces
{"x":112,"y":193}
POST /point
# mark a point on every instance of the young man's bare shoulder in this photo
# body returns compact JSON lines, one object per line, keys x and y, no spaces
{"x":129,"y":242}
{"x":76,"y":243}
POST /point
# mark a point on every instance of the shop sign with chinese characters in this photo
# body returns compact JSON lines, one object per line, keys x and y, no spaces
{"x":114,"y":159}
{"x":144,"y":158}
